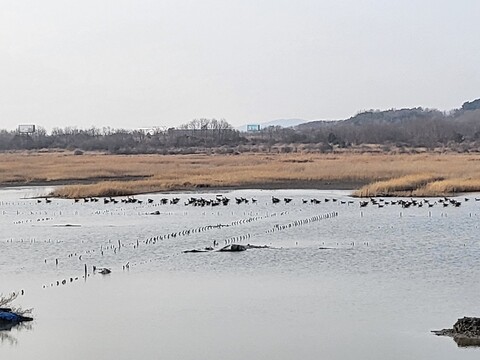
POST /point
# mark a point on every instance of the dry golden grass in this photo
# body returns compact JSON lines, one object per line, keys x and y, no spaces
{"x":449,"y":186}
{"x":417,"y":174}
{"x":419,"y":185}
{"x":404,"y":185}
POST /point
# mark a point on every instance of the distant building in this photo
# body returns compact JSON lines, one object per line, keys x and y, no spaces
{"x":253,"y":128}
{"x":26,"y":129}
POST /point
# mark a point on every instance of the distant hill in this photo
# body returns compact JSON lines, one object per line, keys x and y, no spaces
{"x":398,"y":117}
{"x":284,"y":123}
{"x":376,"y":117}
{"x":471,"y":105}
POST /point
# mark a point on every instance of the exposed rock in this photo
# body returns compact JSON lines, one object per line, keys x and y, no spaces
{"x":228,"y":248}
{"x":234,"y":248}
{"x":465,"y":332}
{"x":469,"y":326}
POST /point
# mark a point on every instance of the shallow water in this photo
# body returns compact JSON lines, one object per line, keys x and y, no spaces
{"x":338,"y":281}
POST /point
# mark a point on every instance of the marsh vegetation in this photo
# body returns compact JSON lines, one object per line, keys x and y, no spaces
{"x":371,"y":174}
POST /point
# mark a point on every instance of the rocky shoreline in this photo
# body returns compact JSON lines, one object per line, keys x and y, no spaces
{"x":465,"y":332}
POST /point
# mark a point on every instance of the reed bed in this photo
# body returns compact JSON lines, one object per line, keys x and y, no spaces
{"x":419,"y":186}
{"x":449,"y":187}
{"x":110,"y":175}
{"x":405,"y":185}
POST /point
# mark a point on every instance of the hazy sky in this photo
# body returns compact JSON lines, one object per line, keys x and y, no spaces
{"x":143,"y":63}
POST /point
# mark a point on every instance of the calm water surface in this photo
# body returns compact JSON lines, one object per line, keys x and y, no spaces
{"x":338,"y":281}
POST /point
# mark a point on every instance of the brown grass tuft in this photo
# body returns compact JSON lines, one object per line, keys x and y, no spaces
{"x":420,"y":186}
{"x":405,"y":185}
{"x":449,"y":187}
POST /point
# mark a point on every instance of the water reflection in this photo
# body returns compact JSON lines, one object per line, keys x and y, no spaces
{"x":467,"y":342}
{"x":6,"y":335}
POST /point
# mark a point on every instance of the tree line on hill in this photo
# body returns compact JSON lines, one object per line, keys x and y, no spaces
{"x":457,"y":130}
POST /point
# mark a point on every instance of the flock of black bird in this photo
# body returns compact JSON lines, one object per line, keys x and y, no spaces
{"x":214,"y":201}
{"x":192,"y":201}
{"x":406,"y":203}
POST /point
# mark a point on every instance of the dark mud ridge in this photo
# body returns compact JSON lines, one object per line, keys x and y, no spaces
{"x":228,"y":248}
{"x":465,"y":332}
